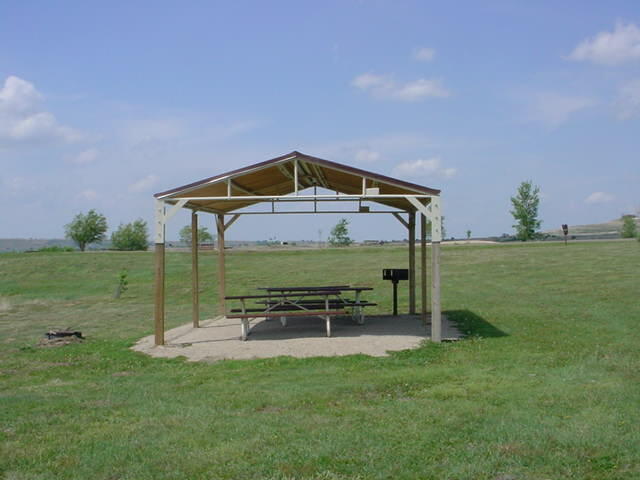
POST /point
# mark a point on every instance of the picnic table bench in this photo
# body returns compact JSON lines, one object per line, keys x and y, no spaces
{"x":282,"y":302}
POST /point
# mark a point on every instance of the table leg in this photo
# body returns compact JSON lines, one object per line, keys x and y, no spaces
{"x":359,"y":309}
{"x":245,"y":329}
{"x":327,"y":317}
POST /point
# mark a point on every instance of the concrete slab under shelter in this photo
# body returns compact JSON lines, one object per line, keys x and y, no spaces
{"x":219,"y":338}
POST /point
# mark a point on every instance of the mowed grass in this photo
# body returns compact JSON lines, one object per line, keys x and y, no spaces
{"x":547,"y":386}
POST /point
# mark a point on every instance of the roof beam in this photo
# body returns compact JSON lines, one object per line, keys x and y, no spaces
{"x":240,"y":188}
{"x":401,"y":220}
{"x":311,"y":198}
{"x":303,"y":212}
{"x":359,"y":173}
{"x":320,"y":176}
{"x":308,"y":177}
{"x":230,"y":222}
{"x":285,"y":172}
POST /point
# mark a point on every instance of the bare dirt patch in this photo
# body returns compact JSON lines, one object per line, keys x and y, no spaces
{"x":58,"y":342}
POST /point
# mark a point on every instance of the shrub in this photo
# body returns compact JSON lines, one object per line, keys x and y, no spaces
{"x":86,"y":229}
{"x":56,"y":249}
{"x":340,"y":234}
{"x":629,"y":227}
{"x":525,"y":211}
{"x":131,"y":236}
{"x":203,"y":235}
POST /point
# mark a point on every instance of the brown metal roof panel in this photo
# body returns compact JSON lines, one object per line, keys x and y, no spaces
{"x":223,"y":175}
{"x":206,"y":190}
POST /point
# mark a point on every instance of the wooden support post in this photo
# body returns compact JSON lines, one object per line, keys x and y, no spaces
{"x":158,"y":314}
{"x":159,"y":294}
{"x":412,"y":263}
{"x":221,"y":272}
{"x":423,"y":265}
{"x":436,"y":318}
{"x":194,"y":271}
{"x":436,"y":237}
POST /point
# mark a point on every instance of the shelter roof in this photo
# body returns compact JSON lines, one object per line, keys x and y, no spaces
{"x":276,"y":177}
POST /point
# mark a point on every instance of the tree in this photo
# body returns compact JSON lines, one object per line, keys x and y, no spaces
{"x":525,"y":210}
{"x":468,"y":234}
{"x":339,"y":235}
{"x":629,"y":227}
{"x":203,"y":235}
{"x":86,"y":229}
{"x":131,"y":236}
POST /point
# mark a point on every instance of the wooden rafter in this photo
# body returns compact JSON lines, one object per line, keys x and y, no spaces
{"x":401,"y":220}
{"x":320,"y":175}
{"x":240,"y":188}
{"x":231,"y":221}
{"x":285,"y":171}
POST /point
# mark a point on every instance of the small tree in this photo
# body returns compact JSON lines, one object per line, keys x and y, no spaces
{"x":525,"y":210}
{"x":468,"y":234}
{"x":86,"y":229}
{"x":629,"y":227}
{"x":203,"y":235}
{"x":339,"y":235}
{"x":131,"y":236}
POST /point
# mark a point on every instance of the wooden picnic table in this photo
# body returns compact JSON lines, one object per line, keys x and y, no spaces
{"x":321,"y":301}
{"x":304,"y":289}
{"x":357,"y":305}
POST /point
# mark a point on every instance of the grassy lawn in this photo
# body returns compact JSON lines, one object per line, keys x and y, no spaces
{"x":547,"y":386}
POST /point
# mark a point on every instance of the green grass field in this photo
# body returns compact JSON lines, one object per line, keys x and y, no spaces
{"x":547,"y":386}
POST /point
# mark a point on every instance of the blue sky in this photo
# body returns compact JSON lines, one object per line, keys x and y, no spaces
{"x":103,"y":104}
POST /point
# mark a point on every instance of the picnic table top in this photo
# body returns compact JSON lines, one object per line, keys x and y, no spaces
{"x":285,"y":295}
{"x":332,"y":288}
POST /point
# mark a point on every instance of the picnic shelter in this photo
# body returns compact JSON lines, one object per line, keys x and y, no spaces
{"x":303,"y":180}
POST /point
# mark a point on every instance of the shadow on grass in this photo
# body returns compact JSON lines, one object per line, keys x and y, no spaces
{"x":471,"y":324}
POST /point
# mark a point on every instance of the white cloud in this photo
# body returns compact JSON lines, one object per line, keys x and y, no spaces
{"x":599,"y":197}
{"x":420,"y":168}
{"x":224,"y":131}
{"x":17,"y":185}
{"x":18,"y":95}
{"x":154,"y":130}
{"x":143,"y":184}
{"x":22,"y":118}
{"x":163,"y":129}
{"x":88,"y":195}
{"x":370,"y":80}
{"x":628,"y":102}
{"x":405,"y":144}
{"x":384,"y":87}
{"x":420,"y":89}
{"x":610,"y":48}
{"x":424,"y":54}
{"x":554,"y":109}
{"x":85,"y":157}
{"x":367,"y":156}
